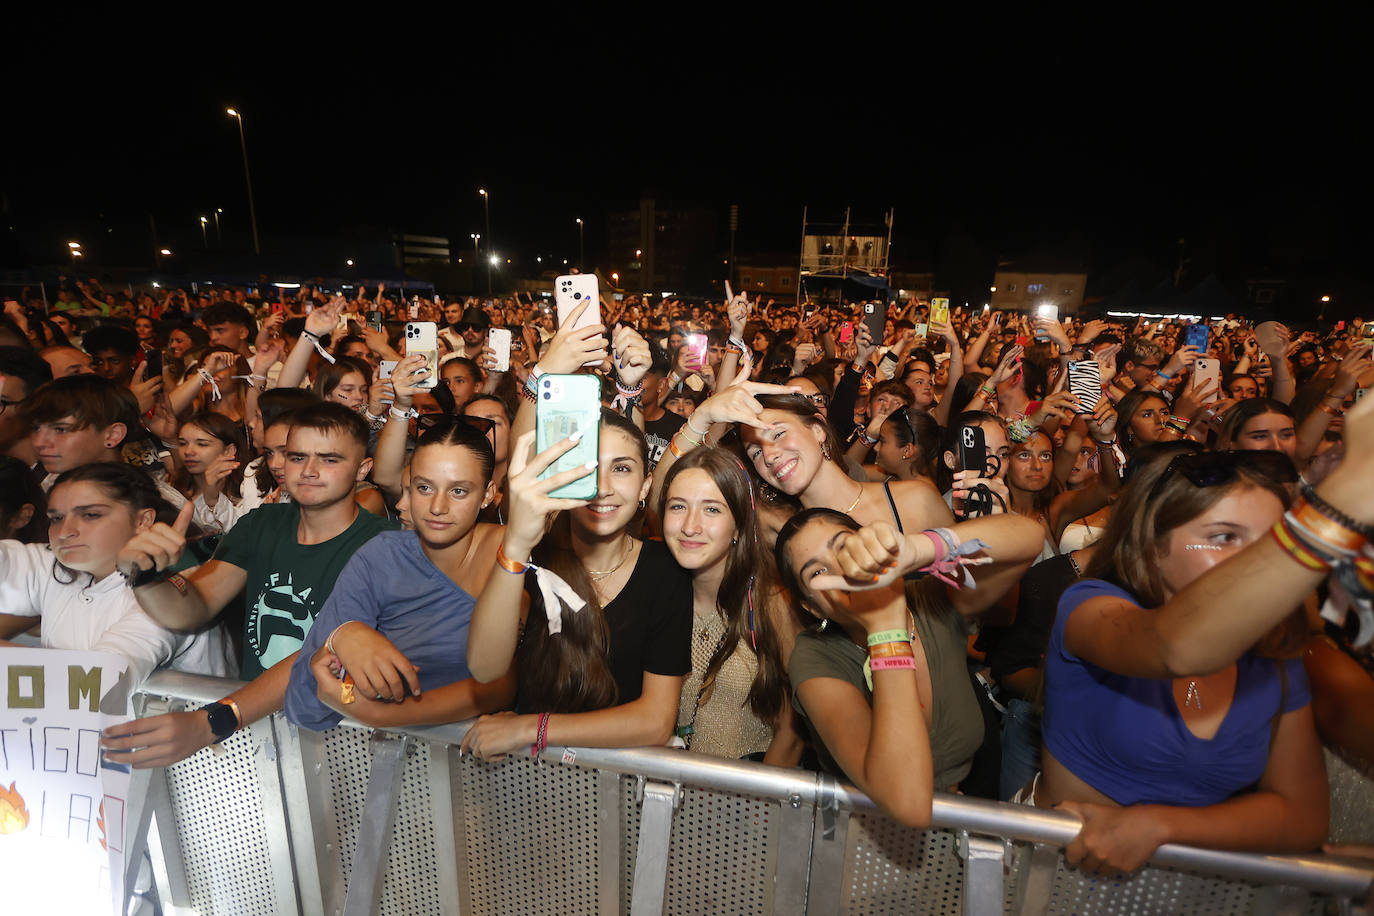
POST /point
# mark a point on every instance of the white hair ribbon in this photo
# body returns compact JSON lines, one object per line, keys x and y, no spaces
{"x":551,"y":589}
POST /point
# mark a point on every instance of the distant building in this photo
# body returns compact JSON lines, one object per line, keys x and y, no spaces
{"x":769,"y":275}
{"x":421,"y":249}
{"x":660,"y":247}
{"x":1021,"y":292}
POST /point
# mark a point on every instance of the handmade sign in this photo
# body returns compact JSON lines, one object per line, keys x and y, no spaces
{"x":62,"y":817}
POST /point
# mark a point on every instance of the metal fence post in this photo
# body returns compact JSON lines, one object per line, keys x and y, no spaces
{"x":829,"y":841}
{"x":982,"y":874}
{"x":651,"y":861}
{"x":796,"y":823}
{"x":379,"y":812}
{"x":300,"y":823}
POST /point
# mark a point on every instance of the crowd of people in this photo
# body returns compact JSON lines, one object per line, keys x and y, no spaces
{"x":923,"y":554}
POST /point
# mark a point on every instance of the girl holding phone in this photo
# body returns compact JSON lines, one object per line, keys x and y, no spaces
{"x":608,"y":673}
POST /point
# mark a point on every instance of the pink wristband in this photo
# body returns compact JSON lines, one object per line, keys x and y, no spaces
{"x":894,"y":661}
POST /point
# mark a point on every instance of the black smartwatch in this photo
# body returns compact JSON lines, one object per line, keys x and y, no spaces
{"x":223,"y":721}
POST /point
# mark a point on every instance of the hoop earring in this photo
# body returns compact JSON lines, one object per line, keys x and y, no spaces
{"x":825,"y":622}
{"x":641,"y":504}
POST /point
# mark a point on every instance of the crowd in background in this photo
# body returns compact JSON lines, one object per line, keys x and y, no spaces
{"x":1115,"y":566}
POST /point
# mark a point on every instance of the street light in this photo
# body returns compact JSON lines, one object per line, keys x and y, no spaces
{"x":204,"y":242}
{"x":1326,"y":298}
{"x":349,"y":262}
{"x":219,"y":236}
{"x":581,"y":249}
{"x":166,"y":252}
{"x":476,"y":256}
{"x":248,"y":180}
{"x":486,"y":217}
{"x":493,"y":260}
{"x":615,"y":278}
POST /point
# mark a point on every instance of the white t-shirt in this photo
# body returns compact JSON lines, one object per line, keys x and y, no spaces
{"x":102,"y":616}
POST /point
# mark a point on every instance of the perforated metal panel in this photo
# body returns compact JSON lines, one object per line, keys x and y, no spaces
{"x":723,"y":855}
{"x":410,"y":884}
{"x":1352,"y":802}
{"x":347,"y":761}
{"x":629,"y":839}
{"x":531,"y":834}
{"x":1147,"y":892}
{"x":218,"y":805}
{"x":893,"y":869}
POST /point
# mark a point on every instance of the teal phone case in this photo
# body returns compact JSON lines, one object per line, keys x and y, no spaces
{"x":567,"y":403}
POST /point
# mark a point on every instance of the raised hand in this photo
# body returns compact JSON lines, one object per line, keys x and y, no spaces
{"x":872,"y":557}
{"x":1102,"y":422}
{"x":379,"y":670}
{"x":405,"y":379}
{"x":571,"y":349}
{"x":632,"y":355}
{"x":529,"y":505}
{"x":864,"y":345}
{"x":158,"y":547}
{"x":736,"y":403}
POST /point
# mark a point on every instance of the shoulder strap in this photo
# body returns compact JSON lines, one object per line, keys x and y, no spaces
{"x":892,"y":504}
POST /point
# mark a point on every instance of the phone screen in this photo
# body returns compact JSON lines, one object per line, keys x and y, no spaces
{"x":566,"y":404}
{"x":939,"y":311}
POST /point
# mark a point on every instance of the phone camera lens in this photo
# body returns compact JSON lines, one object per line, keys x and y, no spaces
{"x":547,"y":395}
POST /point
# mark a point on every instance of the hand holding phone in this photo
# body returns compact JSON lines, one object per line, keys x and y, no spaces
{"x":422,"y":337}
{"x":499,"y":340}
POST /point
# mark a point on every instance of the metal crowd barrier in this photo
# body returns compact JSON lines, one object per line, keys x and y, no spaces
{"x":353,"y":821}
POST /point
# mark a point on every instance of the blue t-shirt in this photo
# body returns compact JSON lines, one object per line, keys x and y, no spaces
{"x":391,"y":586}
{"x":1125,"y":737}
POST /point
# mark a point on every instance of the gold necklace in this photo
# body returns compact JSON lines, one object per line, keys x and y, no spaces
{"x":856,"y":500}
{"x":603,"y":573}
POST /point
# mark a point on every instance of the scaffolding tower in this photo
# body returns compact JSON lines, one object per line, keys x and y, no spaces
{"x":849,"y":252}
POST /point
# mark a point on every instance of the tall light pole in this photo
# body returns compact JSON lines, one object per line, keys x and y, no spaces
{"x":219,"y":236}
{"x":486,"y":220}
{"x":248,"y":180}
{"x":204,"y":242}
{"x":581,"y":249}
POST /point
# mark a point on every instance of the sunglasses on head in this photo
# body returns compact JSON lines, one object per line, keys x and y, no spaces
{"x":1212,"y":469}
{"x":444,"y":421}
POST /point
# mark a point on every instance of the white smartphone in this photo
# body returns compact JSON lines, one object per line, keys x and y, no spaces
{"x":499,"y":341}
{"x":423,"y":337}
{"x":385,"y":368}
{"x":1049,"y":312}
{"x":1206,"y":369}
{"x":571,"y":291}
{"x":922,"y":330}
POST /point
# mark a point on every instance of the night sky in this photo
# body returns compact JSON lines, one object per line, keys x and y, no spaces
{"x":1101,"y":158}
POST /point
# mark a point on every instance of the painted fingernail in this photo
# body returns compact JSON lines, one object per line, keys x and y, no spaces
{"x":875,"y":578}
{"x":589,"y":465}
{"x":577,"y":435}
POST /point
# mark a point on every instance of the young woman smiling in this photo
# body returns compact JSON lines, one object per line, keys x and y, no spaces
{"x":735,"y":702}
{"x":795,"y":452}
{"x":610,"y":673}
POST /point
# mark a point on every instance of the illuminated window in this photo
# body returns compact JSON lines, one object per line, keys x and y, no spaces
{"x":1032,"y":288}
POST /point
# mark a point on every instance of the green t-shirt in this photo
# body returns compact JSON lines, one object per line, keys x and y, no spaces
{"x":287,"y":582}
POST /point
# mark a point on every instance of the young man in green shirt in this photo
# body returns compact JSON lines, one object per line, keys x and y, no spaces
{"x":286,"y":556}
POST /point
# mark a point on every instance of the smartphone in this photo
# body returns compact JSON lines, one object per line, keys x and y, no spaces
{"x":696,"y":345}
{"x":414,"y":311}
{"x":499,"y":341}
{"x":154,"y":360}
{"x":846,"y":332}
{"x":571,"y":291}
{"x":1197,"y":335}
{"x":973,"y":449}
{"x":1047,"y":312}
{"x":385,"y":368}
{"x":517,"y":339}
{"x":875,"y":319}
{"x":939,"y":311}
{"x":375,"y":321}
{"x":1367,"y":329}
{"x":423,"y":337}
{"x":1204,"y":370}
{"x":566,"y":404}
{"x":1085,"y":383}
{"x":923,"y":330}
{"x":276,"y":308}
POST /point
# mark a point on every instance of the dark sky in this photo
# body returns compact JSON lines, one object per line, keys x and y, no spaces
{"x":1259,"y":162}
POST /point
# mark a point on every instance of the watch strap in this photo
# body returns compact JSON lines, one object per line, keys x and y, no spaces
{"x":223,"y":720}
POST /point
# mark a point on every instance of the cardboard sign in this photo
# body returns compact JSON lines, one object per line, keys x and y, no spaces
{"x":62,"y":808}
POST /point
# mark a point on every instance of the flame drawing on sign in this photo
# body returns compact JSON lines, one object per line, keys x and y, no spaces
{"x":14,"y":817}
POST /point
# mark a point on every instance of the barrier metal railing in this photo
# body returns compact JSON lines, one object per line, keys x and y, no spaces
{"x":282,"y":820}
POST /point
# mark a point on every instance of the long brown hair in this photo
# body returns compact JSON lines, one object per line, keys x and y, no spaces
{"x":220,"y":427}
{"x":1150,"y":508}
{"x":747,"y":585}
{"x":569,"y":672}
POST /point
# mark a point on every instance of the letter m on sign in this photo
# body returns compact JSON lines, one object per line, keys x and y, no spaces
{"x":83,"y":683}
